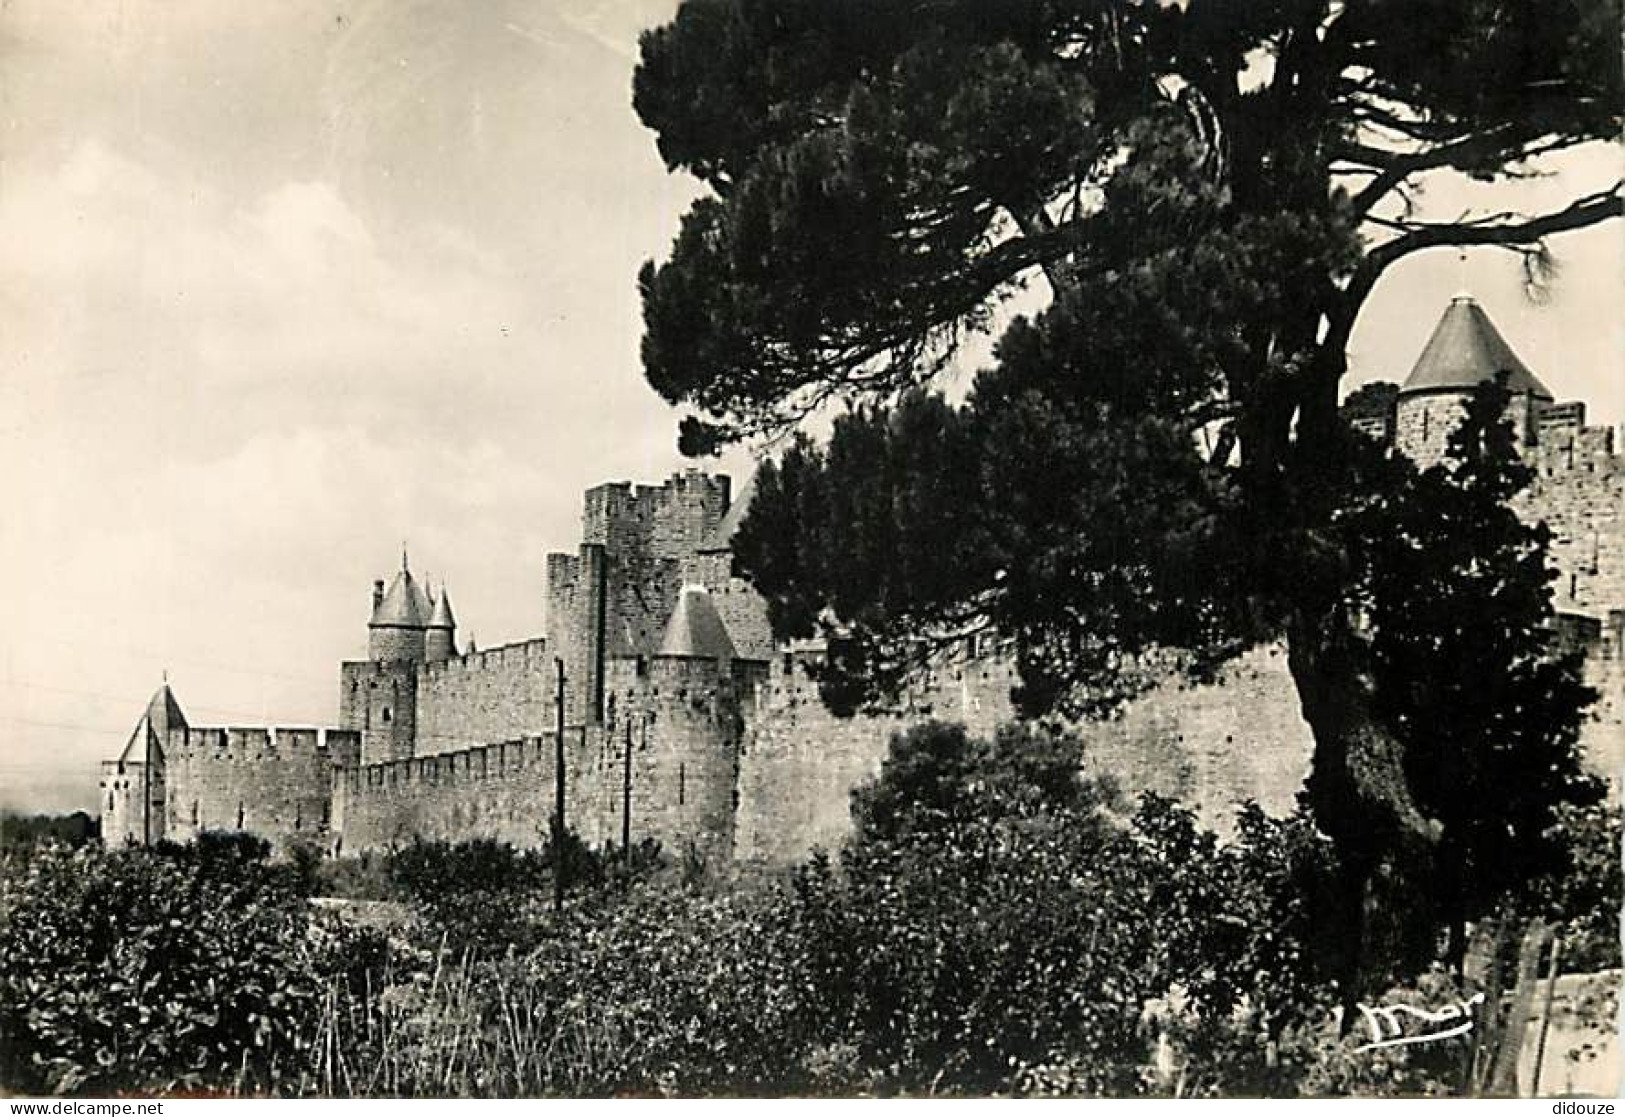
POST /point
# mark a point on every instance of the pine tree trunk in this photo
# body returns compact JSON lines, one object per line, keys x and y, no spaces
{"x":1357,"y":787}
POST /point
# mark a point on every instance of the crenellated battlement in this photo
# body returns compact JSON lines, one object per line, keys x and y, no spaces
{"x":274,"y":781}
{"x":477,"y":763}
{"x":1589,"y":450}
{"x":670,"y":520}
{"x":965,"y":677}
{"x":527,"y":653}
{"x":1578,"y":492}
{"x":254,"y":744}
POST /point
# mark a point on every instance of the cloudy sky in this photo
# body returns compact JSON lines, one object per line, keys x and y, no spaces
{"x":285,"y":284}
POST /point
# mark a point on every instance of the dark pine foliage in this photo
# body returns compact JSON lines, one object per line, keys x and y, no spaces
{"x":1207,"y":193}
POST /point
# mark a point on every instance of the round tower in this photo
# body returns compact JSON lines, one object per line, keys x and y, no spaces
{"x":686,"y":790}
{"x":440,"y":637}
{"x":1464,"y":351}
{"x":400,"y":618}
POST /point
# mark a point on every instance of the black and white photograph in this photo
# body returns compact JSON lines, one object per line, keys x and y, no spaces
{"x":811,"y":549}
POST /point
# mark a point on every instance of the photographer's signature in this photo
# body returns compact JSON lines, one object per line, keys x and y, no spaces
{"x":1396,"y":1025}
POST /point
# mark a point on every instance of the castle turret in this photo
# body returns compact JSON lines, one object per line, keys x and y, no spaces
{"x":686,"y":792}
{"x":400,"y":618}
{"x":1464,"y":351}
{"x":133,"y":795}
{"x":695,"y":631}
{"x":440,"y":638}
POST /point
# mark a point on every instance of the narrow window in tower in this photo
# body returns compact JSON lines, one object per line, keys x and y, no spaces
{"x":241,"y":815}
{"x":109,"y":800}
{"x":386,"y":715}
{"x":194,"y":812}
{"x":682,"y":787}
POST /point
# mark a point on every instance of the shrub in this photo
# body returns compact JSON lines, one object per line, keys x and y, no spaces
{"x":654,"y":991}
{"x":992,"y":928}
{"x":142,"y":972}
{"x":486,"y":895}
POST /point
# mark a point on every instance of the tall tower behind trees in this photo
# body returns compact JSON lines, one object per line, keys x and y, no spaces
{"x":1464,"y":351}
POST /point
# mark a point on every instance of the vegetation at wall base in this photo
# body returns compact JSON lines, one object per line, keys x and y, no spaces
{"x":995,"y":925}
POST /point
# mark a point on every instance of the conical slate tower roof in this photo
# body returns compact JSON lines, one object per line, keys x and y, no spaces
{"x":404,"y":604}
{"x":695,"y":631}
{"x":1465,"y":350}
{"x":442,"y":616}
{"x":162,"y":714}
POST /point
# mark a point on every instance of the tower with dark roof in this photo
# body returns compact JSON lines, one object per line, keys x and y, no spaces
{"x":1465,"y":350}
{"x":695,"y":631}
{"x":400,"y":619}
{"x":440,"y":635}
{"x":378,"y":695}
{"x":691,"y":707}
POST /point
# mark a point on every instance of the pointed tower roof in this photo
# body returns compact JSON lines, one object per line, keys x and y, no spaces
{"x":442,"y":616}
{"x":695,"y":630}
{"x":1465,"y":350}
{"x":164,"y":713}
{"x":143,"y":743}
{"x":722,"y":538}
{"x":404,"y":604}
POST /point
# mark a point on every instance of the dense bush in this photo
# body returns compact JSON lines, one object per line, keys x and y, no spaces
{"x":194,"y":969}
{"x":1587,"y":899}
{"x":679,"y":991}
{"x":1054,"y":950}
{"x":655,"y":990}
{"x":996,"y":924}
{"x":489,"y":897}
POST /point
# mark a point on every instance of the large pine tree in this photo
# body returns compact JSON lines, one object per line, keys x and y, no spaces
{"x":1207,"y":192}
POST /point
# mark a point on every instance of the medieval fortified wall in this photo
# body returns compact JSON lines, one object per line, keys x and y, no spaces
{"x":687,"y":722}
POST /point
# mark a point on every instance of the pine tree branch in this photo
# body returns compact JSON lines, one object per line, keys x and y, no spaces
{"x":1393,"y":168}
{"x":1582,"y":213}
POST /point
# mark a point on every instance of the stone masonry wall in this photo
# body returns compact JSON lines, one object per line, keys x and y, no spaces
{"x":1423,"y":423}
{"x":124,"y":816}
{"x":613,"y":598}
{"x":671,"y":520}
{"x":276,"y":783}
{"x":501,"y":791}
{"x":1579,"y":493}
{"x":799,"y":762}
{"x":1602,"y":737}
{"x":576,"y":624}
{"x":498,"y":694}
{"x":1212,"y":747}
{"x":681,"y":721}
{"x":379,"y":701}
